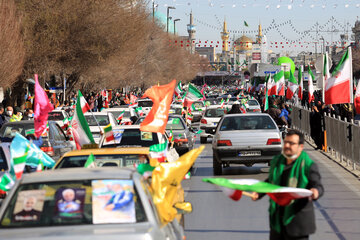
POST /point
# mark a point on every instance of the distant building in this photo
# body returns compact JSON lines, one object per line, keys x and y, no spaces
{"x":208,"y":52}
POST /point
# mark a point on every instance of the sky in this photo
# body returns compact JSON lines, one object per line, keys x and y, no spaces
{"x":285,"y":22}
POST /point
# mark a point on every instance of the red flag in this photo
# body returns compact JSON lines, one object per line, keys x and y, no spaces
{"x":42,"y":108}
{"x":157,"y":118}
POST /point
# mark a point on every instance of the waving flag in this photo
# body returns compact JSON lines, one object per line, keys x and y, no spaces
{"x":158,"y":151}
{"x":109,"y":135}
{"x":139,"y":111}
{"x":338,"y":88}
{"x":292,"y":86}
{"x":281,"y":195}
{"x":84,"y":105}
{"x":178,"y":90}
{"x":311,"y":85}
{"x":300,"y":82}
{"x":192,"y":95}
{"x":81,"y":131}
{"x":279,"y":80}
{"x":42,"y":108}
{"x":271,"y":86}
{"x":222,"y":103}
{"x":157,"y":118}
{"x":166,"y":178}
{"x":90,"y":162}
{"x":121,"y":115}
{"x":6,"y":182}
{"x":357,"y":99}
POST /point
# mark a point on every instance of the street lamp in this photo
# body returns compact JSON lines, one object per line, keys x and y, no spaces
{"x":322,"y":38}
{"x":153,"y":8}
{"x":175,"y":20}
{"x":167,"y":18}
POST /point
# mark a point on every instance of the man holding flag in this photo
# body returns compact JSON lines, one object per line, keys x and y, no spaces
{"x":293,"y":168}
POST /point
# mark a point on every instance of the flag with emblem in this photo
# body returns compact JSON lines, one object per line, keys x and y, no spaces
{"x":192,"y":95}
{"x":292,"y":86}
{"x":279,"y":80}
{"x":311,"y":85}
{"x":109,"y":134}
{"x":158,"y":151}
{"x":121,"y":115}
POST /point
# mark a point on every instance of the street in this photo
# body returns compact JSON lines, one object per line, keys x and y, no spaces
{"x":215,"y":216}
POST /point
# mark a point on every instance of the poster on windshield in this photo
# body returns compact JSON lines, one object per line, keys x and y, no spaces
{"x":113,"y":201}
{"x":70,"y":202}
{"x":29,"y":205}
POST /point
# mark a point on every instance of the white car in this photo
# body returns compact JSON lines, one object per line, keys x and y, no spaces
{"x":253,"y":105}
{"x":146,"y":105}
{"x":97,"y":121}
{"x":131,"y":136}
{"x":128,"y":112}
{"x":209,"y":121}
{"x":58,"y":116}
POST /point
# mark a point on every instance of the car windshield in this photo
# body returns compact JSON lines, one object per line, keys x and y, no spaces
{"x":3,"y":162}
{"x":9,"y":131}
{"x":145,"y":103}
{"x":117,"y":114}
{"x":214,"y":112}
{"x":252,"y":102}
{"x":247,"y":123}
{"x":198,"y":105}
{"x":116,"y":160}
{"x":56,"y":116}
{"x":174,"y":123}
{"x":176,"y":111}
{"x":103,"y":120}
{"x":132,"y":137}
{"x":74,"y":202}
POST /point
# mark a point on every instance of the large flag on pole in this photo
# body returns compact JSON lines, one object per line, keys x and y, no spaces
{"x":357,"y":98}
{"x":338,"y":88}
{"x":292,"y":86}
{"x":311,"y":85}
{"x":42,"y":108}
{"x":281,"y":195}
{"x":271,"y":86}
{"x":300,"y":82}
{"x":81,"y":131}
{"x":157,"y":118}
{"x":279,"y":79}
{"x":192,"y":95}
{"x":326,"y":73}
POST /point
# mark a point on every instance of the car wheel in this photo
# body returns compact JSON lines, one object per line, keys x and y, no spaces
{"x":217,"y":168}
{"x":203,"y":139}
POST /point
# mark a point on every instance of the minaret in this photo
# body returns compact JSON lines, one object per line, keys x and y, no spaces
{"x":259,"y":36}
{"x":191,"y":30}
{"x":225,"y":37}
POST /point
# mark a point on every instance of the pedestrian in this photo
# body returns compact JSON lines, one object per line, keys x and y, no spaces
{"x":17,"y":115}
{"x":293,"y":168}
{"x":8,"y":114}
{"x":2,"y":117}
{"x":317,"y":125}
{"x":285,"y":114}
{"x":28,"y":114}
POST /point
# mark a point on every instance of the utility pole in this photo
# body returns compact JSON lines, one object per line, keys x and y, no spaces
{"x":175,"y":20}
{"x":167,"y":18}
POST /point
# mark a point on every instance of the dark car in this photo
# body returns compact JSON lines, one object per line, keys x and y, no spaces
{"x":55,"y":143}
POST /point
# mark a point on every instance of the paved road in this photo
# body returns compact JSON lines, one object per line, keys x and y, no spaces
{"x":215,"y":216}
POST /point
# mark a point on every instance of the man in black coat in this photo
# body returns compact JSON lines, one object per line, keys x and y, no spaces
{"x":293,"y":168}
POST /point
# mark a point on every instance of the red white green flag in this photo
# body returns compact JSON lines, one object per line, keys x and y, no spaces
{"x":6,"y":182}
{"x":19,"y":161}
{"x":311,"y":85}
{"x":192,"y":95}
{"x":84,"y":105}
{"x":281,"y":195}
{"x":357,"y":98}
{"x":158,"y":151}
{"x":271,"y":86}
{"x":338,"y":88}
{"x":222,"y":103}
{"x":292,"y":86}
{"x":121,"y":115}
{"x":90,"y":162}
{"x":109,"y":134}
{"x":80,"y":128}
{"x":279,"y":80}
{"x":178,"y":90}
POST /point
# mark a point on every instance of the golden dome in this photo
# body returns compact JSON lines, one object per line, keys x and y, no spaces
{"x":243,"y":43}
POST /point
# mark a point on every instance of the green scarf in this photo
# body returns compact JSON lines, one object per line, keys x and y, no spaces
{"x":297,"y":178}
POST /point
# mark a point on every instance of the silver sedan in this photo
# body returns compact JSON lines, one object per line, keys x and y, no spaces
{"x":92,"y":203}
{"x":245,"y":139}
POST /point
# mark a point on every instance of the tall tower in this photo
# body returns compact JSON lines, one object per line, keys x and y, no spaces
{"x":259,"y":37}
{"x":225,"y":37}
{"x":191,"y":30}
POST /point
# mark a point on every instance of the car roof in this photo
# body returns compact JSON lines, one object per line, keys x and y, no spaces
{"x":106,"y":151}
{"x":213,"y":106}
{"x":96,"y":113}
{"x":246,"y":114}
{"x":126,"y":127}
{"x":69,"y":174}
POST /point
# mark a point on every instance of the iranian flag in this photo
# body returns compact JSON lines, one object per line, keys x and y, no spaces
{"x":134,"y":105}
{"x":271,"y":86}
{"x":121,"y":115}
{"x":279,"y":80}
{"x":139,"y":111}
{"x":338,"y":88}
{"x":311,"y":85}
{"x":178,"y":90}
{"x":283,"y":196}
{"x":158,"y":151}
{"x":192,"y":95}
{"x":6,"y":182}
{"x":90,"y":162}
{"x":19,"y":160}
{"x":109,"y":134}
{"x":222,"y":103}
{"x":145,"y":169}
{"x":300,"y":82}
{"x":80,"y":127}
{"x":357,"y":98}
{"x":83,"y":103}
{"x":292,"y":86}
{"x":266,"y":100}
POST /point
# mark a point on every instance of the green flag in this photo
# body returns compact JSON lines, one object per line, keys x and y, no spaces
{"x":6,"y":182}
{"x":266,"y":105}
{"x":246,"y":24}
{"x":90,"y":162}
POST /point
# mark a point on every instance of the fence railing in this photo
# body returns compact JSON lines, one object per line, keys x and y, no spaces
{"x":341,"y":140}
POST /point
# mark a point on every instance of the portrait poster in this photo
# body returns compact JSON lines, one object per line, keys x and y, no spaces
{"x":113,"y":201}
{"x":146,"y":136}
{"x":70,"y":202}
{"x":29,"y":205}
